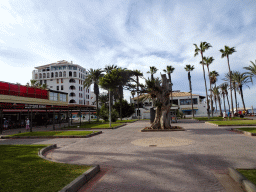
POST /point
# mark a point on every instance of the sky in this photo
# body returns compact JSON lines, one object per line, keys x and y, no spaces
{"x":130,"y":34}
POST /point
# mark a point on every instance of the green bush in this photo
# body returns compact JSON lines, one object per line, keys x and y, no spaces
{"x":104,"y":114}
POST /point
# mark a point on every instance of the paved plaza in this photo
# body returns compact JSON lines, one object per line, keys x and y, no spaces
{"x":190,"y":160}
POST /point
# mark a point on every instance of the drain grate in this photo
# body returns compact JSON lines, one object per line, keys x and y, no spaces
{"x":152,"y":145}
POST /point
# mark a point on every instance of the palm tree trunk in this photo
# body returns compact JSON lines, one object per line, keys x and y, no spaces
{"x":210,"y":90}
{"x":242,"y":97}
{"x":230,"y":76}
{"x":228,"y":103}
{"x":191,"y":97}
{"x":138,"y":96}
{"x":206,"y":93}
{"x":224,"y":102}
{"x":220,"y":106}
{"x":234,"y":87}
{"x":215,"y":100}
{"x":109,"y":108}
{"x":97,"y":106}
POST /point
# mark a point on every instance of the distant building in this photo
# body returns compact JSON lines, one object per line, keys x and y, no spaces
{"x":64,"y":76}
{"x":181,"y":101}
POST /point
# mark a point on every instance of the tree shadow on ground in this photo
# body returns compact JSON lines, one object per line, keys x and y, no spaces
{"x":154,"y":171}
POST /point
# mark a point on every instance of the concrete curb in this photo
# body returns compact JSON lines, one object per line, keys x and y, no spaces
{"x":50,"y":137}
{"x":241,"y":179}
{"x":212,"y":124}
{"x":46,"y":149}
{"x":244,"y":132}
{"x":226,"y":125}
{"x":81,"y":180}
{"x":76,"y":184}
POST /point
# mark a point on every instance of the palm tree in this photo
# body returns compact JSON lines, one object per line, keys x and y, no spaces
{"x":225,"y":53}
{"x":201,"y":49}
{"x":251,"y":68}
{"x":93,"y":78}
{"x":216,"y":94}
{"x":234,"y":86}
{"x":224,"y":91}
{"x":44,"y":86}
{"x":189,"y":68}
{"x":208,"y":61}
{"x":125,"y":78}
{"x":33,"y":83}
{"x":137,"y":74}
{"x":241,"y":79}
{"x":213,"y":77}
{"x":169,"y":70}
{"x":152,"y":71}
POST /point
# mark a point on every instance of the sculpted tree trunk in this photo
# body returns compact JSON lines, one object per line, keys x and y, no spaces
{"x":162,"y":93}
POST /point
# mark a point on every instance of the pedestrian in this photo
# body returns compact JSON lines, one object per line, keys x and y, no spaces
{"x":27,"y":124}
{"x":224,"y":116}
{"x":229,"y":115}
{"x":5,"y":124}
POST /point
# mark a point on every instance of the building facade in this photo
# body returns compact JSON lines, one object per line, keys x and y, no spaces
{"x":181,"y":101}
{"x":64,"y":76}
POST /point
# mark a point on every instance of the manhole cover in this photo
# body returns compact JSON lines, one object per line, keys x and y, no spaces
{"x":162,"y":142}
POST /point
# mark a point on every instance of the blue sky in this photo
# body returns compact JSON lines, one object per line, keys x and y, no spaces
{"x":131,"y":34}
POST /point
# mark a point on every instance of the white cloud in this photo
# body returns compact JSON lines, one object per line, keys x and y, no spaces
{"x":131,"y":34}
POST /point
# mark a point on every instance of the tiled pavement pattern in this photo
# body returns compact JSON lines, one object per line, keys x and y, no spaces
{"x":129,"y":167}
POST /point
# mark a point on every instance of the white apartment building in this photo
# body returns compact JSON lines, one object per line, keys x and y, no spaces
{"x":64,"y":76}
{"x":181,"y":101}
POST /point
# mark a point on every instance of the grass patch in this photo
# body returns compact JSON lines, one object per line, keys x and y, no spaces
{"x":235,"y":123}
{"x":126,"y":121}
{"x":95,"y":126}
{"x":251,"y":130}
{"x":54,"y":133}
{"x":217,"y":118}
{"x":23,"y":170}
{"x":249,"y":174}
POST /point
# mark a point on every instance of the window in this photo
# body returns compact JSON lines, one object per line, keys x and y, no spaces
{"x":74,"y":74}
{"x":40,"y":75}
{"x":187,"y":101}
{"x":63,"y":97}
{"x":48,"y":75}
{"x":72,"y":101}
{"x":60,"y":74}
{"x":53,"y":96}
{"x":70,"y":73}
{"x":79,"y":75}
{"x":41,"y":82}
{"x":45,"y":81}
{"x":44,"y":75}
{"x":57,"y":80}
{"x":62,"y":87}
{"x":72,"y":94}
{"x":175,"y":101}
{"x":36,"y":76}
{"x":52,"y":74}
{"x":72,"y":87}
{"x":64,"y":74}
{"x":56,"y":74}
{"x":88,"y":90}
{"x":57,"y":87}
{"x":61,"y":80}
{"x":72,"y":81}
